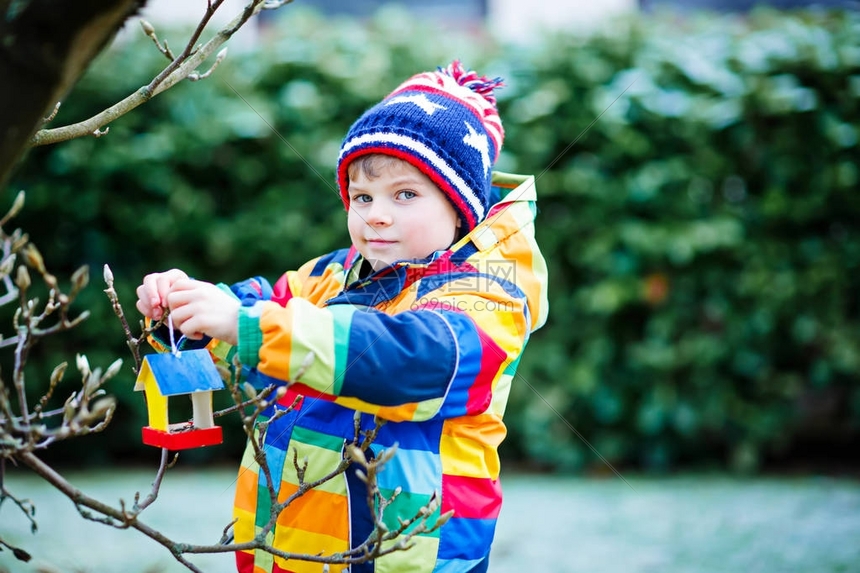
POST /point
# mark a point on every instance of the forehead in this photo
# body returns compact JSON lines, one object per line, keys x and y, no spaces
{"x":373,"y":167}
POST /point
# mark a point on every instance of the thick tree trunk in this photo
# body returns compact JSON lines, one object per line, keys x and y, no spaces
{"x":45,"y":46}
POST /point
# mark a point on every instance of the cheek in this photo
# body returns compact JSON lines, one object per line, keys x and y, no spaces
{"x":438,"y":235}
{"x":449,"y":222}
{"x":354,"y":223}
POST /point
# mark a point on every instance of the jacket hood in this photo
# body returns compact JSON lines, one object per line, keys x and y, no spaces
{"x":503,"y":244}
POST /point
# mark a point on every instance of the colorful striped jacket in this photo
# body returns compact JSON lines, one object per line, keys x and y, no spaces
{"x":431,"y":348}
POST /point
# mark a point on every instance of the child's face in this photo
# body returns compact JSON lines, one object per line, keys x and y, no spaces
{"x":398,"y":215}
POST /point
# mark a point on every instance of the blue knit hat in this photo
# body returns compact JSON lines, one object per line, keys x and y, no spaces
{"x":444,"y":123}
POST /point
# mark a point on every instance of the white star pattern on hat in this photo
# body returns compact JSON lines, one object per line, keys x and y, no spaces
{"x":420,"y":100}
{"x":480,"y":142}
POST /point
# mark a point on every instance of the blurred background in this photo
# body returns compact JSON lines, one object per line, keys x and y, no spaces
{"x":698,"y":182}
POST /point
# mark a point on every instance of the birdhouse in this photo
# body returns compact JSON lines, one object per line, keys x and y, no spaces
{"x":192,"y":373}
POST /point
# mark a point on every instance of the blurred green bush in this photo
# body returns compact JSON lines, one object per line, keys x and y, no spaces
{"x":698,"y":183}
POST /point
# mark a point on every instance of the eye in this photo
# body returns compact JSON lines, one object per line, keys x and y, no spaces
{"x":361,"y":198}
{"x":406,"y":194}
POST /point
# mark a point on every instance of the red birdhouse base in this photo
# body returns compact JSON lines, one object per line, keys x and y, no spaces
{"x":182,"y":438}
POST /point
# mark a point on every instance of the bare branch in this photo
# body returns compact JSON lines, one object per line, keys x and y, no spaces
{"x":156,"y":484}
{"x":134,"y":343}
{"x":19,"y":553}
{"x":25,"y":505}
{"x":149,"y":30}
{"x":183,"y":66}
{"x":53,"y":114}
{"x":106,"y":514}
{"x":45,"y":48}
{"x":275,"y":4}
{"x":190,"y":45}
{"x":194,"y":76}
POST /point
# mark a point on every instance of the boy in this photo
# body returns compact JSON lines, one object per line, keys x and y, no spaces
{"x":421,"y":322}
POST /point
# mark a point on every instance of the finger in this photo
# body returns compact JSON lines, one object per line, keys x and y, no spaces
{"x":189,"y":327}
{"x":151,"y":294}
{"x":180,"y":297}
{"x":144,"y":303}
{"x":146,"y":310}
{"x":142,"y":298}
{"x":142,"y":308}
{"x":185,"y":284}
{"x":164,"y":286}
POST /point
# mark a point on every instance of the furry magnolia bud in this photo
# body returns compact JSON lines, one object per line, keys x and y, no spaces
{"x":82,"y":363}
{"x":7,"y":265}
{"x":58,"y":372}
{"x":81,"y":278}
{"x":356,"y":454}
{"x":148,"y":29}
{"x":22,"y":280}
{"x":34,"y":258}
{"x":17,"y":205}
{"x":102,"y":407}
{"x":113,"y":369}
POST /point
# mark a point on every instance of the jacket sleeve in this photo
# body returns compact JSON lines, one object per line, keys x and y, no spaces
{"x":441,"y":358}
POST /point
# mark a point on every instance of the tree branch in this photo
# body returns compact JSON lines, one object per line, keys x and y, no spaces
{"x":182,"y":67}
{"x":45,"y":46}
{"x":123,"y":520}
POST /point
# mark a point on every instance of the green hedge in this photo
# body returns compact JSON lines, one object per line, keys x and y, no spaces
{"x":701,"y":233}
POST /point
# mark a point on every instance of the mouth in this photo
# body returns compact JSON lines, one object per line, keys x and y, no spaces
{"x":379,"y":242}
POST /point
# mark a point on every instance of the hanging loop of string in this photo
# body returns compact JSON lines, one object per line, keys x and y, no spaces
{"x":173,"y":349}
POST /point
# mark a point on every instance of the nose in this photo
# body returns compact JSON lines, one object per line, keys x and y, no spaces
{"x":379,"y":214}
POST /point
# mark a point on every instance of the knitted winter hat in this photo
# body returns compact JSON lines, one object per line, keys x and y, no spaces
{"x":445,"y":123}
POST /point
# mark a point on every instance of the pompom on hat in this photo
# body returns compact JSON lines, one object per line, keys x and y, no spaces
{"x":444,"y":123}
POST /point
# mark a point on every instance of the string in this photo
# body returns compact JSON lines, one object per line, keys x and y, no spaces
{"x":173,"y":348}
